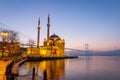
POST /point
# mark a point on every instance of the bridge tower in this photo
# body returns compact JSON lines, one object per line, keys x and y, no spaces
{"x":87,"y":49}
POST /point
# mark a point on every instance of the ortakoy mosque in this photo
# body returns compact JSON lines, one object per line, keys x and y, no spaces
{"x":53,"y":46}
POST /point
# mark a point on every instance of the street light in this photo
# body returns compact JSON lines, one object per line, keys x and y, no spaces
{"x":4,"y":35}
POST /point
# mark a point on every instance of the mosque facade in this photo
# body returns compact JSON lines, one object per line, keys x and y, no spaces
{"x":53,"y":45}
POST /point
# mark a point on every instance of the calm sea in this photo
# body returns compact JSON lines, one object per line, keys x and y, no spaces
{"x":82,"y":68}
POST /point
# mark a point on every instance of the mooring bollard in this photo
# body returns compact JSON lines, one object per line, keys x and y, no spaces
{"x":33,"y":74}
{"x":45,"y":75}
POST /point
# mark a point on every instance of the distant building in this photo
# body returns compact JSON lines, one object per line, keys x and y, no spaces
{"x":53,"y":46}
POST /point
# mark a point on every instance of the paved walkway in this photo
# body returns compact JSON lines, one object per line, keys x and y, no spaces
{"x":29,"y":78}
{"x":15,"y":68}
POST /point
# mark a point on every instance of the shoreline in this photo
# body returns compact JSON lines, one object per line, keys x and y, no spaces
{"x":49,"y":58}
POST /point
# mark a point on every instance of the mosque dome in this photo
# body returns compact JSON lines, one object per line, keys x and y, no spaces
{"x":54,"y":36}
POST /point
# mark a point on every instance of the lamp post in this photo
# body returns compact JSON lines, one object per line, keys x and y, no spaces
{"x":4,"y":35}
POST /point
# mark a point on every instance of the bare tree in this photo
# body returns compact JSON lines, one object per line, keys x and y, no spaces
{"x":31,"y":42}
{"x":10,"y":41}
{"x":13,"y":36}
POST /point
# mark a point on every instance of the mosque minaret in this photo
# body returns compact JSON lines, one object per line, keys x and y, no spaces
{"x":48,"y":27}
{"x":38,"y":37}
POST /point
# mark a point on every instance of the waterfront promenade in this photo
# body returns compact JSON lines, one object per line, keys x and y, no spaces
{"x":9,"y":67}
{"x":15,"y":72}
{"x":3,"y":65}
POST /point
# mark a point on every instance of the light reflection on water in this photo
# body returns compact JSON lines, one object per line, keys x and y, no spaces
{"x":55,"y":69}
{"x":83,"y":68}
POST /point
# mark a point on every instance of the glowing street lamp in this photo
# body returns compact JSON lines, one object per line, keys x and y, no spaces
{"x":4,"y":35}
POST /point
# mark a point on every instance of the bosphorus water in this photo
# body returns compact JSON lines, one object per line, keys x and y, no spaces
{"x":82,"y":68}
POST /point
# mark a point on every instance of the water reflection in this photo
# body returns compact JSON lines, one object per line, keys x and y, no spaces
{"x":83,"y":68}
{"x":55,"y":69}
{"x":88,"y":64}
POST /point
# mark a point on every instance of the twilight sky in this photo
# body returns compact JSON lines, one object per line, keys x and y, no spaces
{"x":79,"y":22}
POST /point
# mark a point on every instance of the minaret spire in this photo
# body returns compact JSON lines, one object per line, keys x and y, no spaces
{"x":38,"y":37}
{"x":48,"y":27}
{"x":39,"y":22}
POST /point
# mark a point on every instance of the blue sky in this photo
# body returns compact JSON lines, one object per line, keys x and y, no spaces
{"x":79,"y":22}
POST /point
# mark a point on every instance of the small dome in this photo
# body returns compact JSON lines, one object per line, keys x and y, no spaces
{"x":54,"y":36}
